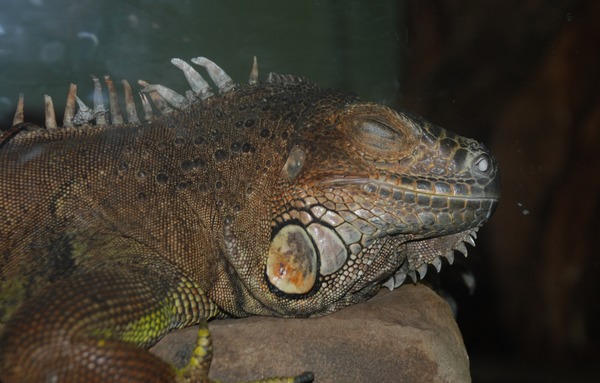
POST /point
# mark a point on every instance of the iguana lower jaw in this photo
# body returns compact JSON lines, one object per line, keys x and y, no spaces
{"x":425,"y":226}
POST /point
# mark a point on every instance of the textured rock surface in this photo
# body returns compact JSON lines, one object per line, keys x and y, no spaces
{"x":407,"y":335}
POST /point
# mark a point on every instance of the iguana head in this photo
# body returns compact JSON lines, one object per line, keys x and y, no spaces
{"x":373,"y":196}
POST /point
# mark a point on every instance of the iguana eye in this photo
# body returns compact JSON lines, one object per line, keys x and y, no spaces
{"x":377,"y":135}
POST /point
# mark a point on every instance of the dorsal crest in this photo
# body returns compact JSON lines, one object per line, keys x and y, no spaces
{"x":156,"y":99}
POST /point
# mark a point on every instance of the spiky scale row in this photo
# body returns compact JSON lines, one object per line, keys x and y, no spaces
{"x":163,"y":98}
{"x":420,"y":271}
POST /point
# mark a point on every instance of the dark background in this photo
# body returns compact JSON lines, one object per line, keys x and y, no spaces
{"x":520,"y":75}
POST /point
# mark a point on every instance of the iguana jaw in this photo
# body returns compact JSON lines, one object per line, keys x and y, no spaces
{"x":390,"y":231}
{"x":437,"y":224}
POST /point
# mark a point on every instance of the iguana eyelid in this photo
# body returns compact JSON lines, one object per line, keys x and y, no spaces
{"x":384,"y":130}
{"x":380,"y":127}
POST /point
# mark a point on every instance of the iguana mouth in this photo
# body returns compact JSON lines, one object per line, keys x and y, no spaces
{"x":392,"y":189}
{"x":433,"y":214}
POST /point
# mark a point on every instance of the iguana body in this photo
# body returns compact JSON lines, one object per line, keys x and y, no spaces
{"x":273,"y":198}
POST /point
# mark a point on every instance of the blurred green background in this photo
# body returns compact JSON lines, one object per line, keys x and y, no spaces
{"x":47,"y":44}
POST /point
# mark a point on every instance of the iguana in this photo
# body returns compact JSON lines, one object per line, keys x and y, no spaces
{"x":268,"y":198}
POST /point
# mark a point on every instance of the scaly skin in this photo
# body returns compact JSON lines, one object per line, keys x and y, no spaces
{"x":273,"y":198}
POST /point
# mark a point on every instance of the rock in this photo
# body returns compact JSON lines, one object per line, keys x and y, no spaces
{"x":408,"y":335}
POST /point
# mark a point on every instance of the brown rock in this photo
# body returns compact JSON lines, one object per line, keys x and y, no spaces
{"x":407,"y":335}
